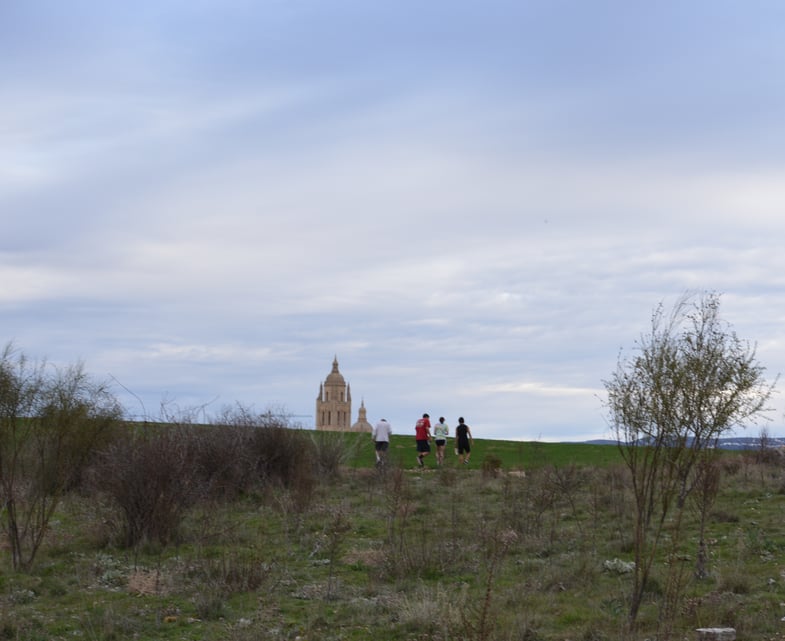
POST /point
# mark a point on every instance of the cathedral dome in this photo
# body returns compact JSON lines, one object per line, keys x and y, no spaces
{"x":335,"y":377}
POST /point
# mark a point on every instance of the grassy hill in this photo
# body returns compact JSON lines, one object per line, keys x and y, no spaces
{"x":477,"y":553}
{"x":512,"y":454}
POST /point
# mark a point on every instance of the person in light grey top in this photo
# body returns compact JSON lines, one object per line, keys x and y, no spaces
{"x":440,"y":433}
{"x":381,"y":439}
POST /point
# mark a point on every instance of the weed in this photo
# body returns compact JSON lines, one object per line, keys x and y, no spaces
{"x":210,"y":605}
{"x":491,"y":466}
{"x":447,"y":555}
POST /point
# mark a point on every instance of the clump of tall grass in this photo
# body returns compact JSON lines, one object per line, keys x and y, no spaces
{"x":491,"y":466}
{"x":435,"y":611}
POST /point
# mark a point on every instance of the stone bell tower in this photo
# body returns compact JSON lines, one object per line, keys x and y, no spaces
{"x":334,"y":403}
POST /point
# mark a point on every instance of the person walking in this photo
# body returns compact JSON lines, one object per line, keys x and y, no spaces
{"x":440,"y":433}
{"x":381,"y":439}
{"x":422,"y":434}
{"x":463,"y":435}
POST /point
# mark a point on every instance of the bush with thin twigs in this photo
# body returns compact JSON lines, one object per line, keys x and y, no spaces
{"x":332,"y":451}
{"x":223,"y":460}
{"x":155,"y":473}
{"x":229,"y":574}
{"x":491,"y":466}
{"x":150,"y":474}
{"x":281,"y":455}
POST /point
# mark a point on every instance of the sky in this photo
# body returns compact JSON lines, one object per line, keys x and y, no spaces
{"x":475,"y":206}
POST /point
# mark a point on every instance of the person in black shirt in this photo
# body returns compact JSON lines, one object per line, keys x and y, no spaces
{"x":464,"y":437}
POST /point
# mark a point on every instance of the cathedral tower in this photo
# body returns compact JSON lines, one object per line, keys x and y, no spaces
{"x":334,"y":403}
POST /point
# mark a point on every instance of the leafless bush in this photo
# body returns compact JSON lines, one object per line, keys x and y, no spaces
{"x":223,"y":459}
{"x":707,"y":488}
{"x":730,"y":465}
{"x":491,"y":466}
{"x":612,"y":494}
{"x":285,"y":457}
{"x":210,"y":604}
{"x":545,"y":503}
{"x":516,"y":502}
{"x":766,"y":455}
{"x":150,"y":474}
{"x":331,"y":451}
{"x":447,"y":476}
{"x":335,"y":534}
{"x":399,"y":508}
{"x":496,"y":552}
{"x":263,"y":448}
{"x":156,"y":472}
{"x":234,"y":573}
{"x":568,"y":482}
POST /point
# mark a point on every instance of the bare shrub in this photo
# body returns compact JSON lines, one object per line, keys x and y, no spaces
{"x":491,"y":466}
{"x":766,"y":455}
{"x":736,"y":583}
{"x":447,"y":476}
{"x":766,"y":451}
{"x":706,"y":489}
{"x":516,"y":502}
{"x":234,"y":573}
{"x":150,"y":474}
{"x":335,"y":534}
{"x":730,"y":465}
{"x":285,"y":457}
{"x":156,"y":472}
{"x":568,"y":482}
{"x":331,"y":451}
{"x":399,"y":509}
{"x":250,"y":448}
{"x":210,"y":604}
{"x":223,"y":459}
{"x":496,"y":552}
{"x":280,"y":454}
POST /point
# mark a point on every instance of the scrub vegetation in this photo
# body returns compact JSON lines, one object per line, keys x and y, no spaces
{"x":245,"y":529}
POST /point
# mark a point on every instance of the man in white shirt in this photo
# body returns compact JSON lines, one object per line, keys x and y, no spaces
{"x":381,"y":439}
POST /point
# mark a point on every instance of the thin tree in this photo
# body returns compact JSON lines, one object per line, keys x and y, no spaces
{"x":691,"y":381}
{"x":708,"y":487}
{"x":51,"y":420}
{"x":20,"y":386}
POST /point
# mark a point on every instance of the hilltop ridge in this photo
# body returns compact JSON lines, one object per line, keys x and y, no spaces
{"x":729,"y":443}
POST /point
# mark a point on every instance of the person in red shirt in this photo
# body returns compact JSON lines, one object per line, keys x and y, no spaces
{"x":422,"y":434}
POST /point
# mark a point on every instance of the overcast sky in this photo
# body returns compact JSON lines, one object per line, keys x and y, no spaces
{"x":473,"y":205}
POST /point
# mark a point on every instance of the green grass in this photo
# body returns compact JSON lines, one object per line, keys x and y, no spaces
{"x":406,"y":555}
{"x":513,"y":454}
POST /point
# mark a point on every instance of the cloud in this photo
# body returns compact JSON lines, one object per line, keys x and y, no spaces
{"x":539,"y":389}
{"x":474,"y":210}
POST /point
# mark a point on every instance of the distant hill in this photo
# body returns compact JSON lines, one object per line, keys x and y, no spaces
{"x":730,"y":443}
